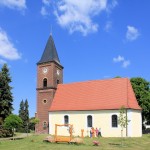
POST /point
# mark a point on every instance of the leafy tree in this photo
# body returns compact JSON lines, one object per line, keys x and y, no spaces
{"x":118,"y":77}
{"x":141,"y":88}
{"x":31,"y":123}
{"x":6,"y":98}
{"x":34,"y":121}
{"x":122,"y":120}
{"x":12,"y":122}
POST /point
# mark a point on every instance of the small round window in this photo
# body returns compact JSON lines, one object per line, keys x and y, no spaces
{"x":44,"y":101}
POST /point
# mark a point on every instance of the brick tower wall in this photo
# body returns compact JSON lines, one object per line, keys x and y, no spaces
{"x":45,"y":95}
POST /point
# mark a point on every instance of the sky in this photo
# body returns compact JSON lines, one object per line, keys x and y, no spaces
{"x":95,"y":39}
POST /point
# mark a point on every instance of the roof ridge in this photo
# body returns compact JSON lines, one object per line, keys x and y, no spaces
{"x":95,"y":80}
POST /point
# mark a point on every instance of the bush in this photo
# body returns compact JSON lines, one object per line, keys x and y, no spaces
{"x":5,"y":132}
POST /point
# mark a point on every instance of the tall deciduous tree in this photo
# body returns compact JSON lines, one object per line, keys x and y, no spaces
{"x":6,"y":98}
{"x":141,"y":88}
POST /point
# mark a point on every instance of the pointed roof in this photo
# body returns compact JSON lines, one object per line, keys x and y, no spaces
{"x":50,"y":53}
{"x":95,"y":95}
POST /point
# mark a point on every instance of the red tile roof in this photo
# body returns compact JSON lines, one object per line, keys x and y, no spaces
{"x":95,"y":95}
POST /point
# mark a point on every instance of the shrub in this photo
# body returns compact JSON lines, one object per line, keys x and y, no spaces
{"x":5,"y":132}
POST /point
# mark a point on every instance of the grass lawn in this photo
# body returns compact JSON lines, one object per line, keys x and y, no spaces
{"x":35,"y":142}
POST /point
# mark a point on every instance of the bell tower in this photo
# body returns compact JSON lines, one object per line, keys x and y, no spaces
{"x":49,"y":75}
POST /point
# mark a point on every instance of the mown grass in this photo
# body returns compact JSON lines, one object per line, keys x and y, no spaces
{"x":35,"y":142}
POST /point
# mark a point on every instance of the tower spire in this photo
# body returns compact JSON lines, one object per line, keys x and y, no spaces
{"x":50,"y":53}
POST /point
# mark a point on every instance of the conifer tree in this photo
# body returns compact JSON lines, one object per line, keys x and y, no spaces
{"x":21,"y":110}
{"x":26,"y":115}
{"x":6,"y":98}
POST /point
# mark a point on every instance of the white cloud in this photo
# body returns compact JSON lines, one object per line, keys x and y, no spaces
{"x":118,"y":59}
{"x":77,"y":15}
{"x":2,"y":62}
{"x":121,"y":59}
{"x":7,"y":49}
{"x":18,"y":4}
{"x":132,"y":33}
{"x":125,"y":63}
{"x":45,"y":8}
{"x":44,"y":11}
{"x":46,"y":2}
{"x":111,"y":5}
{"x":108,"y":26}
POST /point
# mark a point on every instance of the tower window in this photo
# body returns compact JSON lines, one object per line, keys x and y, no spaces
{"x":44,"y":101}
{"x":57,"y":81}
{"x":44,"y":82}
{"x":114,"y":120}
{"x":66,"y":119}
{"x":89,"y":121}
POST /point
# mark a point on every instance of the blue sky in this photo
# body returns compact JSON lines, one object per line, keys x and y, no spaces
{"x":95,"y":39}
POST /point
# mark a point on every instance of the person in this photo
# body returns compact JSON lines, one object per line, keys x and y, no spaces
{"x":96,"y":130}
{"x":99,"y":132}
{"x":93,"y":132}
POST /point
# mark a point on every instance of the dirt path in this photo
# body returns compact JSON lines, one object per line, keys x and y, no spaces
{"x":20,"y":136}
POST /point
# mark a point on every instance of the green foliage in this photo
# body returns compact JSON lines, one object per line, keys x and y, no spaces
{"x":21,"y":110}
{"x":24,"y":115}
{"x":26,"y":107}
{"x":122,"y":120}
{"x":33,"y":121}
{"x":6,"y":98}
{"x":118,"y":77}
{"x":141,"y":88}
{"x":5,"y":132}
{"x":12,"y":122}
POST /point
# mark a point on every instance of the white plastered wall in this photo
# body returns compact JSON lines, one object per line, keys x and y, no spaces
{"x":101,"y":119}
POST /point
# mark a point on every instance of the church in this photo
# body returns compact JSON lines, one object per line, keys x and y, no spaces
{"x":94,"y":103}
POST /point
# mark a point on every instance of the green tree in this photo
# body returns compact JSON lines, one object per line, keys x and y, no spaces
{"x":6,"y":98}
{"x":26,"y":115}
{"x":34,"y":121}
{"x":141,"y":88}
{"x":21,"y":110}
{"x":21,"y":115}
{"x":12,"y":122}
{"x":122,"y":120}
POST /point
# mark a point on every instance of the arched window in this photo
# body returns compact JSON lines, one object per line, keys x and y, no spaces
{"x":114,"y":120}
{"x":89,"y":121}
{"x":57,"y":81}
{"x":44,"y":125}
{"x":44,"y":82}
{"x":66,"y":119}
